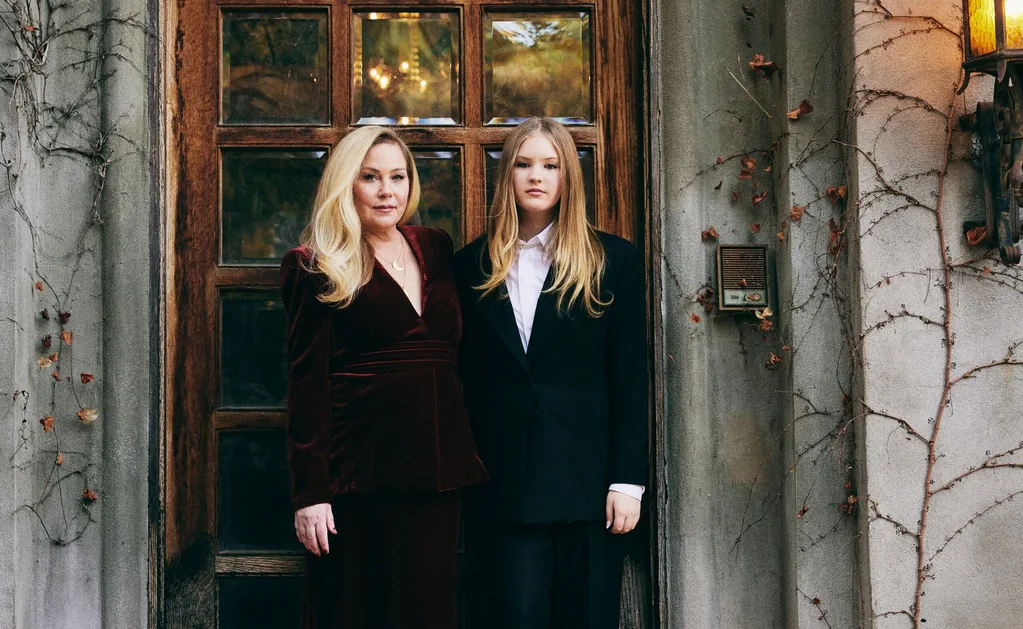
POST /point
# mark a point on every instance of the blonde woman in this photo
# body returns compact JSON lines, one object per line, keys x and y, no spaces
{"x":378,"y":437}
{"x":554,"y":365}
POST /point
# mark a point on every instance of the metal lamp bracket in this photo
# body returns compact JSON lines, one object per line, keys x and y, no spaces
{"x":999,"y":125}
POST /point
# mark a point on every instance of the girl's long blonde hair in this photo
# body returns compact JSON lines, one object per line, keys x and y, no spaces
{"x":577,"y":256}
{"x":334,"y":234}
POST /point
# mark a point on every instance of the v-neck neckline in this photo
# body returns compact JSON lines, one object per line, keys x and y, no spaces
{"x":413,"y":245}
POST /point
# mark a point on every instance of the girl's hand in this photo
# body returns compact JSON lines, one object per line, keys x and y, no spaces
{"x":622,"y":512}
{"x":311,"y":526}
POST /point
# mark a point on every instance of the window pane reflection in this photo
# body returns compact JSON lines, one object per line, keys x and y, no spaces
{"x":440,"y":174}
{"x":537,"y":64}
{"x":586,"y":154}
{"x":253,"y":354}
{"x":275,"y":68}
{"x":405,"y":68}
{"x":267,"y":199}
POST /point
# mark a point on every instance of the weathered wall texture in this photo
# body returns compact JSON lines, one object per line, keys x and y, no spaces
{"x":795,"y":458}
{"x":959,"y":542}
{"x":75,"y":217}
{"x":754,"y":412}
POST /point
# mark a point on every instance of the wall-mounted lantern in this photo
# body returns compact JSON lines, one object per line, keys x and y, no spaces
{"x":993,"y":44}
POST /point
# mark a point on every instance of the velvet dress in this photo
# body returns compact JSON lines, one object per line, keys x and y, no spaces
{"x":377,"y":427}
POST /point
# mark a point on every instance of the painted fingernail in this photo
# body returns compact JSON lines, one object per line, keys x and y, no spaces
{"x":607,"y":525}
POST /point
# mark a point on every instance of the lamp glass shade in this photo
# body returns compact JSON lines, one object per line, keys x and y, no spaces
{"x":982,"y":26}
{"x":1014,"y":24}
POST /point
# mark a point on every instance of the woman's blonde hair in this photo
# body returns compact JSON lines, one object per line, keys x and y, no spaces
{"x":334,"y":234}
{"x":577,"y":256}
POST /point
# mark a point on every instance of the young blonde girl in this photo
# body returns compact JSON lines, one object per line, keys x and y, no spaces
{"x":554,"y":365}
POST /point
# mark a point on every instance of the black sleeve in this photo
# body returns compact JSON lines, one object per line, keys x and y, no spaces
{"x":627,"y":370}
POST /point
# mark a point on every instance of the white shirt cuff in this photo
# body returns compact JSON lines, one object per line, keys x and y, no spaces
{"x":635,"y":491}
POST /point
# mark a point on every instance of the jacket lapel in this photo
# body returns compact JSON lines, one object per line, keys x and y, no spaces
{"x":545,"y":321}
{"x":496,"y":308}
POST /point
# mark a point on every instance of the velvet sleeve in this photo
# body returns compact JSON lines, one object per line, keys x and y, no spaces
{"x":308,"y":341}
{"x":627,"y":371}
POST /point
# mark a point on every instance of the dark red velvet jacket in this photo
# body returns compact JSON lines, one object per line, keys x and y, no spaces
{"x":374,"y":398}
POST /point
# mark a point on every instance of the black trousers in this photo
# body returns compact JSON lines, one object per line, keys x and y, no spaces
{"x":554,"y":576}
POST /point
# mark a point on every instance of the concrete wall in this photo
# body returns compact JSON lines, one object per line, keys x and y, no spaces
{"x":907,"y":71}
{"x":809,"y":465}
{"x":78,"y":219}
{"x":747,"y":446}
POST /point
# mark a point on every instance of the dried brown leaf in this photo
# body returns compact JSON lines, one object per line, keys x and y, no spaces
{"x":88,"y":415}
{"x":804,"y":108}
{"x":89,"y":496}
{"x":976,"y":236}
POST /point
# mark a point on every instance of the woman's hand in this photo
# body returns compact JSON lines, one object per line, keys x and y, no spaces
{"x":312,"y":524}
{"x":622,"y":512}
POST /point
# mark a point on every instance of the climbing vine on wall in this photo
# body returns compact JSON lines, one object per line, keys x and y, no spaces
{"x":832,"y":217}
{"x":58,"y":56}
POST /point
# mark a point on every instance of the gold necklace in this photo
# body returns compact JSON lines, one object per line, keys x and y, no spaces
{"x":401,"y":256}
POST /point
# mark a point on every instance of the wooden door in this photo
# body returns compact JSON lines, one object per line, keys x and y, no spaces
{"x":258,"y":93}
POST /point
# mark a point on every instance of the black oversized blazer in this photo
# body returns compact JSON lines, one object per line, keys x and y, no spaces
{"x":558,"y":424}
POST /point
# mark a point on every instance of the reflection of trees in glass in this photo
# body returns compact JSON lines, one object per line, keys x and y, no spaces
{"x":538,"y":66}
{"x":440,"y":204}
{"x":407,"y":67}
{"x":275,"y":68}
{"x":267,"y":201}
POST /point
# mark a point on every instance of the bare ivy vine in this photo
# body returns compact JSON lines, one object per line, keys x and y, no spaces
{"x":746,"y":175}
{"x":49,"y":46}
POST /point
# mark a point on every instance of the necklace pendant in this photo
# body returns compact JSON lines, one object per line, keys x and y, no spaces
{"x":396,"y":266}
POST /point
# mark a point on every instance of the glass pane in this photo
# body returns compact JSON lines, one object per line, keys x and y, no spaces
{"x":586,"y":154}
{"x":537,"y":64}
{"x":982,"y":27}
{"x":255,"y":501}
{"x":267,"y":200}
{"x":247,"y":602}
{"x":405,"y":68}
{"x":253,"y":354}
{"x":440,"y":205}
{"x":275,"y":68}
{"x":1013,"y":25}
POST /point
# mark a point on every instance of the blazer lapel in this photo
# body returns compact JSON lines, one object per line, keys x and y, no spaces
{"x":545,"y":321}
{"x":496,"y":308}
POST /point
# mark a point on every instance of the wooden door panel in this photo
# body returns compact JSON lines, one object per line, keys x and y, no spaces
{"x":254,"y":111}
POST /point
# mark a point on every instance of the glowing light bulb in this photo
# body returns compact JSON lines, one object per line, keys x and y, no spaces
{"x":422,"y":84}
{"x":404,"y":66}
{"x":374,"y":16}
{"x":384,"y":82}
{"x":373,"y":73}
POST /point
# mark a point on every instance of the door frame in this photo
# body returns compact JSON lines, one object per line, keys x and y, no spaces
{"x":165,"y":98}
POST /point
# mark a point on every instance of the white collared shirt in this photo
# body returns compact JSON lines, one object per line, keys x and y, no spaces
{"x":524,"y":282}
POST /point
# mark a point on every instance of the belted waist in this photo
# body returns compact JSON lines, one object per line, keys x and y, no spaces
{"x":404,"y":355}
